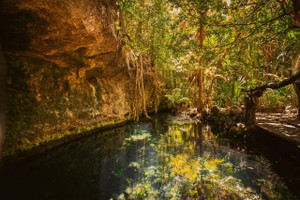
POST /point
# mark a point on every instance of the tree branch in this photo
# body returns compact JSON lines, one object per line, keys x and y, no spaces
{"x":258,"y":91}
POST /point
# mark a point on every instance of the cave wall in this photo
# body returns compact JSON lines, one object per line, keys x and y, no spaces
{"x":65,"y":70}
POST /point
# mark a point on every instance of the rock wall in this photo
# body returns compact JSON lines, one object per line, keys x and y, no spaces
{"x":65,"y":69}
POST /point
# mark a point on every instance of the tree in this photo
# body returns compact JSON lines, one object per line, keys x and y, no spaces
{"x":245,"y":42}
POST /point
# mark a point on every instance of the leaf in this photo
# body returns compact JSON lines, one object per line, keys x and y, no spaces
{"x":138,"y":191}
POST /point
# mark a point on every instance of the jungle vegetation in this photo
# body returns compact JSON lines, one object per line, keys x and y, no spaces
{"x":203,"y":53}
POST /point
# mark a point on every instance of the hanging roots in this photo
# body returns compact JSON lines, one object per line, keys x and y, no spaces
{"x":139,"y":105}
{"x":140,"y":63}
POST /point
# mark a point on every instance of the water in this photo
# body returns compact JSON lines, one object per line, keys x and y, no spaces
{"x":164,"y":158}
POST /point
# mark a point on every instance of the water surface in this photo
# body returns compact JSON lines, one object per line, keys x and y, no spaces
{"x":164,"y":158}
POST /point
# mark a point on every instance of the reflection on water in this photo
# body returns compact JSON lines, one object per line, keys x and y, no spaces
{"x":161,"y":159}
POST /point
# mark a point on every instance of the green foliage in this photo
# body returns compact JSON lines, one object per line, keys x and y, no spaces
{"x":249,"y":42}
{"x":178,"y":98}
{"x":277,"y":100}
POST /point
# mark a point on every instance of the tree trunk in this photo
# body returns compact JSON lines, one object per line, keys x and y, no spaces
{"x":200,"y":83}
{"x":297,"y":83}
{"x":297,"y":90}
{"x":250,"y":109}
{"x":195,"y":88}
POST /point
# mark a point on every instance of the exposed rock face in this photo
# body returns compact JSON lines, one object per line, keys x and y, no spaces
{"x":65,"y":70}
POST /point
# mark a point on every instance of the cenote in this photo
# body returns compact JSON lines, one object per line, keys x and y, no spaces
{"x":162,"y":158}
{"x":79,"y":79}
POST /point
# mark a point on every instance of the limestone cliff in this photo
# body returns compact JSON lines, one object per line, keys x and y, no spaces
{"x":65,"y":69}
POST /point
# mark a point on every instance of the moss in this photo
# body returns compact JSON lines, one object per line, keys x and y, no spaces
{"x":28,"y":144}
